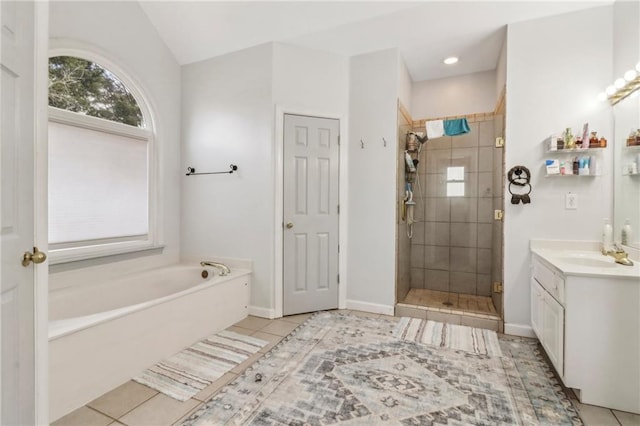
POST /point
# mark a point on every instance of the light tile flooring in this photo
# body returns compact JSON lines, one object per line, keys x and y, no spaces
{"x":133,"y":404}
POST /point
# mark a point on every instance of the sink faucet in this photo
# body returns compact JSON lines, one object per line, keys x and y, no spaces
{"x":224,"y":269}
{"x":621,"y":256}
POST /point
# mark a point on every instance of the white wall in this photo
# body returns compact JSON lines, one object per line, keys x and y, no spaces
{"x":227,"y":118}
{"x":548,"y":90}
{"x":405,"y":84}
{"x":139,"y":51}
{"x":465,"y":94}
{"x":228,"y":110}
{"x":308,"y":79}
{"x":501,"y":68}
{"x":373,"y":95}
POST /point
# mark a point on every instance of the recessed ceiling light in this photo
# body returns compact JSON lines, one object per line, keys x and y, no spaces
{"x":450,"y":60}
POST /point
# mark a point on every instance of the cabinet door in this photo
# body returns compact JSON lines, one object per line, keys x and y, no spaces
{"x":536,"y":307}
{"x":553,"y":331}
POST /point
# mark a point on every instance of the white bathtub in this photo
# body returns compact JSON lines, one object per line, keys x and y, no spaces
{"x":103,"y":334}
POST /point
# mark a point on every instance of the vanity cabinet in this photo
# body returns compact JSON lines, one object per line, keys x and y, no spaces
{"x":547,"y":312}
{"x":588,"y":323}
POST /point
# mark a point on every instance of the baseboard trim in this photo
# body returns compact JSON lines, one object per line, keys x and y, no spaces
{"x":519,"y":330}
{"x":257,"y":311}
{"x":373,"y":308}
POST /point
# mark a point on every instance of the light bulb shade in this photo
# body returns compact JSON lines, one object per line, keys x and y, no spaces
{"x":610,"y":90}
{"x":630,"y":75}
{"x":619,"y":83}
{"x":601,"y":97}
{"x":450,"y":60}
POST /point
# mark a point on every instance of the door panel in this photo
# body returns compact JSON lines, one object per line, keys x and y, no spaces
{"x":310,"y":214}
{"x":17,"y":82}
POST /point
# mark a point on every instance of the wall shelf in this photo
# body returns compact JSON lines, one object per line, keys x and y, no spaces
{"x":574,"y":151}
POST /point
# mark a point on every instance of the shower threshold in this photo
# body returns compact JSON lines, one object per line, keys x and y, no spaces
{"x":465,"y":309}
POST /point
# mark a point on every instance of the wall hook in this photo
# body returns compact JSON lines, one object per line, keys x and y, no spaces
{"x":385,"y":142}
{"x":361,"y":144}
{"x":192,"y":172}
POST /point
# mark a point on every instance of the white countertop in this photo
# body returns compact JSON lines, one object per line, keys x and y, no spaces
{"x":586,"y":262}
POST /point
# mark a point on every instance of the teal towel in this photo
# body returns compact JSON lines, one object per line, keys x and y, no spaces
{"x":458,"y":126}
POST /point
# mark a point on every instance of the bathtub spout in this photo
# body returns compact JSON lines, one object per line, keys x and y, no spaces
{"x":224,"y":269}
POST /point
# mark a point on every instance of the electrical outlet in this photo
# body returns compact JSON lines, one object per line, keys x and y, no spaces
{"x":571,"y":201}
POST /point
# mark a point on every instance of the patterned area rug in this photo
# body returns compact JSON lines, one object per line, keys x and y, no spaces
{"x":470,"y":339}
{"x":339,"y":368}
{"x":188,"y":372}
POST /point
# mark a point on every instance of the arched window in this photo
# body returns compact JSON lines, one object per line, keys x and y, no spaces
{"x":100,"y":162}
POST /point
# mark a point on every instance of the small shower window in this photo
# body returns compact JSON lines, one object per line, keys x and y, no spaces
{"x":101,"y":160}
{"x":455,"y":181}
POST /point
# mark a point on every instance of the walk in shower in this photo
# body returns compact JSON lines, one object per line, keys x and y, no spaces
{"x":450,"y":257}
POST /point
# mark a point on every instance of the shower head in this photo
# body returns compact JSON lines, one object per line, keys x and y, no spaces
{"x":419,"y":136}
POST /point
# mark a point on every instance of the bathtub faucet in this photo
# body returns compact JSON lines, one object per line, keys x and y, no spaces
{"x":224,"y":269}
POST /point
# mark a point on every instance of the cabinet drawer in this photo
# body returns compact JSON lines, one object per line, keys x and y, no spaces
{"x":549,"y":279}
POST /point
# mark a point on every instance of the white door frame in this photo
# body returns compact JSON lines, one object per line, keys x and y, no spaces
{"x":41,"y":217}
{"x":279,"y":200}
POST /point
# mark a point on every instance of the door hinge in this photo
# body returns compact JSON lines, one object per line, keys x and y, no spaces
{"x":338,"y":139}
{"x":498,"y":214}
{"x":499,"y":142}
{"x":338,"y":208}
{"x":338,"y":248}
{"x":497,"y":287}
{"x":338,"y":278}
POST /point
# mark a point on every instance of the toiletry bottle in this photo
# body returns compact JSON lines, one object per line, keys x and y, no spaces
{"x":626,"y":233}
{"x":593,"y":140}
{"x":607,"y":237}
{"x":603,"y":142}
{"x":576,"y":167}
{"x":569,"y":141}
{"x":592,"y":165}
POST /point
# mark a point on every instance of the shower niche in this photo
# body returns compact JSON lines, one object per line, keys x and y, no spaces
{"x":449,"y":246}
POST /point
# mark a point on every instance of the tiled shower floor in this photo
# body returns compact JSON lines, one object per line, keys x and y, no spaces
{"x":462,"y":302}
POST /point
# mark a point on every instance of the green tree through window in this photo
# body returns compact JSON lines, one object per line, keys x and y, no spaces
{"x":85,"y":87}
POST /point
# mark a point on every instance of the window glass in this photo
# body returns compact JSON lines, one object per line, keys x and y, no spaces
{"x":455,"y":181}
{"x":99,"y":186}
{"x":85,"y":87}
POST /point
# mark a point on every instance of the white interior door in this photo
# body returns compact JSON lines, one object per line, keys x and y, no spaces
{"x":18,"y":138}
{"x":310,"y":209}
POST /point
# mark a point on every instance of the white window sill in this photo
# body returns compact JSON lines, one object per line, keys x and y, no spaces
{"x":74,"y":254}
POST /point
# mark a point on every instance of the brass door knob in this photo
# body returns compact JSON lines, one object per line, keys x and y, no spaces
{"x":36,"y":257}
{"x":289,"y":225}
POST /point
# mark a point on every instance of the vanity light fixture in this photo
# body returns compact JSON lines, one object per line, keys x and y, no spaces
{"x":450,"y":60}
{"x":622,"y":87}
{"x":630,"y":75}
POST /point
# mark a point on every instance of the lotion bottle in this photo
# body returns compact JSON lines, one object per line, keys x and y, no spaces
{"x":626,"y":233}
{"x":607,"y":237}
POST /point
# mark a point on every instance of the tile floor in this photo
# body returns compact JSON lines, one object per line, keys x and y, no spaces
{"x":133,"y":404}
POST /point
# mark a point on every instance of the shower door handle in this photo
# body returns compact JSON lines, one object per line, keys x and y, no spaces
{"x":289,"y":225}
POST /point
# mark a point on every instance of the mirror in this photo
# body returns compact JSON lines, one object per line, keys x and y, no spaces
{"x":626,"y":116}
{"x":626,"y":207}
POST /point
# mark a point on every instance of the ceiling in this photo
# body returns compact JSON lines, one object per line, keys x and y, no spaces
{"x":425,"y":32}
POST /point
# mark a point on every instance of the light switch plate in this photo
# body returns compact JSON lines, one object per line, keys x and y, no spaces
{"x":571,"y":201}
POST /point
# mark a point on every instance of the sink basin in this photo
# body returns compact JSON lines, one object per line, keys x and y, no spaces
{"x":587,"y":260}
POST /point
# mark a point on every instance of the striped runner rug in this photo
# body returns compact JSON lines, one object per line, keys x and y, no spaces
{"x":188,"y":372}
{"x":443,"y":335}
